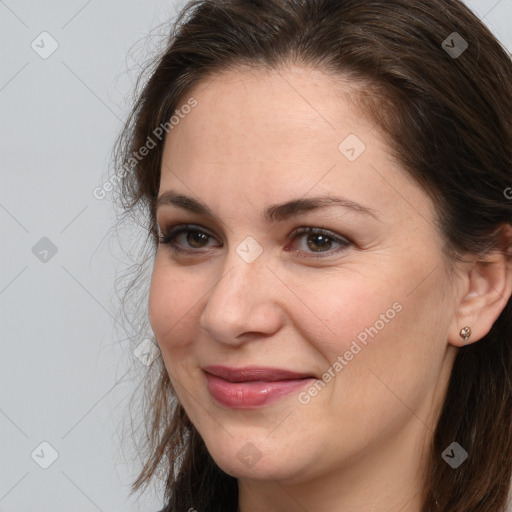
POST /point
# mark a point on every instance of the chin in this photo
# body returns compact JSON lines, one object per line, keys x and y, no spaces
{"x":253,"y":464}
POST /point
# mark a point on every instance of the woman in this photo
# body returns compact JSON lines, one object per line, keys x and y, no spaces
{"x":325,"y":184}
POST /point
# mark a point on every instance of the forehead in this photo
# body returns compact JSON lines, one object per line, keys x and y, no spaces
{"x":261,"y":118}
{"x":276,"y":134}
{"x":294,"y":101}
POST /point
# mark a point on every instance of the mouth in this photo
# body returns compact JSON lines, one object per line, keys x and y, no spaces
{"x":252,"y":387}
{"x":253,"y":373}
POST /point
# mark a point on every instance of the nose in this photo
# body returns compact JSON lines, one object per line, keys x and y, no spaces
{"x":243,"y":304}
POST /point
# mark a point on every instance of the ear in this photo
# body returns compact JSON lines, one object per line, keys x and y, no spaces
{"x":487,"y":289}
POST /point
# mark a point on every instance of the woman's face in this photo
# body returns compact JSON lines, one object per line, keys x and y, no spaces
{"x":308,"y":250}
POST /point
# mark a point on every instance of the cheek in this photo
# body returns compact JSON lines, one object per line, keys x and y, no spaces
{"x":174,"y":309}
{"x":174,"y":302}
{"x":378,"y":321}
{"x":337,"y":309}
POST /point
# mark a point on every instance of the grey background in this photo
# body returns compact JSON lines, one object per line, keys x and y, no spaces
{"x":64,"y":355}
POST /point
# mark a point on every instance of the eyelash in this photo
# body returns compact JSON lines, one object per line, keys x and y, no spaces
{"x":169,"y":238}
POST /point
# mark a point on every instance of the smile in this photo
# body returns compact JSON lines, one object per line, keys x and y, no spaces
{"x":248,"y":388}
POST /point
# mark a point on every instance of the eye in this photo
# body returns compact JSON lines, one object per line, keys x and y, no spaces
{"x":187,"y":238}
{"x":317,"y":241}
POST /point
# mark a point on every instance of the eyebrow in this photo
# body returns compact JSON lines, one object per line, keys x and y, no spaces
{"x":273,"y":213}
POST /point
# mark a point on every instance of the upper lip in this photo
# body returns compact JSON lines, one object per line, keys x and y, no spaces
{"x":251,"y":373}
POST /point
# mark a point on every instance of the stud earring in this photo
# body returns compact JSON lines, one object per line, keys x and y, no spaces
{"x":465,"y":333}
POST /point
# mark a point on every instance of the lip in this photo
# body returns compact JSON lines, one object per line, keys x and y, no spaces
{"x":252,"y":387}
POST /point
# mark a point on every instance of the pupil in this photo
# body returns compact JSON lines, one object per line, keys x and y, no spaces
{"x":195,"y":239}
{"x":321,"y":242}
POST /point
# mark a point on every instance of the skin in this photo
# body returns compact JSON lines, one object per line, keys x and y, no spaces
{"x":258,"y":138}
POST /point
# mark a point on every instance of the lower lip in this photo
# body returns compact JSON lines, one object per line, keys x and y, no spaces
{"x":251,"y":394}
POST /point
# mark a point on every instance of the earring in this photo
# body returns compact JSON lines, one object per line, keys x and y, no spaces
{"x":465,"y":333}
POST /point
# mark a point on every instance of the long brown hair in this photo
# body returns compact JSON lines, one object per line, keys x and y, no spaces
{"x":448,"y":120}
